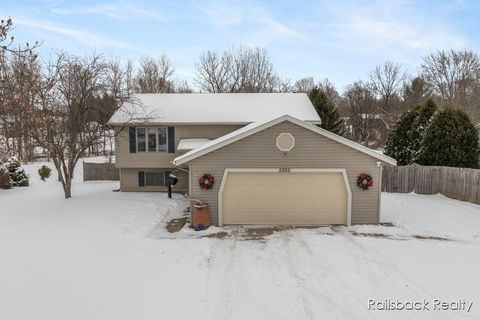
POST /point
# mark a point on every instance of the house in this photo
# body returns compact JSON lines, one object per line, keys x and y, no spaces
{"x":270,"y":162}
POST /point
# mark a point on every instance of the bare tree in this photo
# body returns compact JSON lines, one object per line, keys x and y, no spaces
{"x":16,"y":66}
{"x":454,"y":78}
{"x":183,"y":87}
{"x":6,"y":40}
{"x":65,"y":116}
{"x":155,"y":76}
{"x":330,"y":91}
{"x":240,"y":69}
{"x":360,"y":113}
{"x":387,"y":81}
{"x":120,"y":80}
{"x":17,"y":73}
{"x":304,"y":85}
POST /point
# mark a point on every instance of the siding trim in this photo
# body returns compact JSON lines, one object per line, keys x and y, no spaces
{"x":276,"y":170}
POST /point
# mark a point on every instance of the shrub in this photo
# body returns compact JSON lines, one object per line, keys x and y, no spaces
{"x":44,"y":172}
{"x":450,"y":140}
{"x":17,"y":174}
{"x":5,"y":181}
{"x":404,"y":142}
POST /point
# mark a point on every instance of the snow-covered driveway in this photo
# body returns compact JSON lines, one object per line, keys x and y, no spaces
{"x":105,"y":255}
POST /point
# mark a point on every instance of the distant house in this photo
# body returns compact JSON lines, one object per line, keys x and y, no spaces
{"x":270,"y":162}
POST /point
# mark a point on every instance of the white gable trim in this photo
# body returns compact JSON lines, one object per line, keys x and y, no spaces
{"x":198,"y":152}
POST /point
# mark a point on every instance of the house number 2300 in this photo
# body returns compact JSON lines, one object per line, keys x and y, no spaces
{"x":284,"y":170}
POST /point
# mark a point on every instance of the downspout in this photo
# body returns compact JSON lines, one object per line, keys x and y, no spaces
{"x":380,"y":172}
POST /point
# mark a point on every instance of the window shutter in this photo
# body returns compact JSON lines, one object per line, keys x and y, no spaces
{"x":141,"y":179}
{"x":132,"y":139}
{"x":171,"y":139}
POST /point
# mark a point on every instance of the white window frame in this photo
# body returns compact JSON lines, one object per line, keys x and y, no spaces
{"x":136,"y":139}
{"x":157,"y":137}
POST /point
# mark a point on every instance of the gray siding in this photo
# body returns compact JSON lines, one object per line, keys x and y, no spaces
{"x":130,"y":163}
{"x":129,"y":180}
{"x":311,"y":151}
{"x":125,"y":159}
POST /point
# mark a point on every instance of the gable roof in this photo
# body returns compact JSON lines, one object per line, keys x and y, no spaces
{"x":213,"y":108}
{"x":262,"y":125}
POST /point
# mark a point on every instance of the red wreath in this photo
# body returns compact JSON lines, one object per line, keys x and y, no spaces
{"x":206,"y":181}
{"x":364,"y":181}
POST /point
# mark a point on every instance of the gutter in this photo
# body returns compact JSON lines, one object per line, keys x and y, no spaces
{"x":178,"y":168}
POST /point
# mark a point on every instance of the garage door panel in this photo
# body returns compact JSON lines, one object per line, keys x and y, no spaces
{"x":312,"y":198}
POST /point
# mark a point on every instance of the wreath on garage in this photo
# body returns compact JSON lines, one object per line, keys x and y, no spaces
{"x":206,"y":182}
{"x":364,"y":181}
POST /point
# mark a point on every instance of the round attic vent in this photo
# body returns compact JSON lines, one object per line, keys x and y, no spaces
{"x":285,"y":141}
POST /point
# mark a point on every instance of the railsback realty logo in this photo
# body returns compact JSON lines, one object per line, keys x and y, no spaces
{"x":462,"y":305}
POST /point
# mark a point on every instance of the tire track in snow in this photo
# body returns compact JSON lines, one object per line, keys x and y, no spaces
{"x":339,"y":309}
{"x":378,"y":258}
{"x":294,"y":274}
{"x":332,"y":305}
{"x":221,"y":262}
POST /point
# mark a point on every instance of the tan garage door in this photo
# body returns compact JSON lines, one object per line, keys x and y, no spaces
{"x":295,"y":198}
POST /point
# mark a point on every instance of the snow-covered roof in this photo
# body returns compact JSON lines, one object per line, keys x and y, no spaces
{"x":189,"y":144}
{"x":262,"y":125}
{"x":206,"y":108}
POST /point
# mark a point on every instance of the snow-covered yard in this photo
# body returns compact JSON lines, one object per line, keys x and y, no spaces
{"x":106,"y":255}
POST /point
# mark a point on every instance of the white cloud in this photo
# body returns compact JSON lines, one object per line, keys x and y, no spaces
{"x":224,"y":16}
{"x":119,"y":11}
{"x":278,"y":29}
{"x":85,"y":36}
{"x":249,"y":24}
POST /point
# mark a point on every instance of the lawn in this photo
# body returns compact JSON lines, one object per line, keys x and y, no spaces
{"x":107,"y":255}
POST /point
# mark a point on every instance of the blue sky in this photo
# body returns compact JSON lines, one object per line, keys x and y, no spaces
{"x":339,"y":40}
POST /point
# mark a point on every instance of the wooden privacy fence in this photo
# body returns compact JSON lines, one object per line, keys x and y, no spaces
{"x":457,"y":183}
{"x":100,"y":171}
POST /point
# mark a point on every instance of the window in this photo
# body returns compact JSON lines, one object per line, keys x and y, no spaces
{"x":154,"y":179}
{"x":141,"y":139}
{"x":162,"y":139}
{"x":152,"y":139}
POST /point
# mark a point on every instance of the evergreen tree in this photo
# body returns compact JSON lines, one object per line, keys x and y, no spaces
{"x":421,"y":122}
{"x":450,"y":140}
{"x":327,"y":111}
{"x":404,"y":142}
{"x":17,"y":175}
{"x":398,"y":145}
